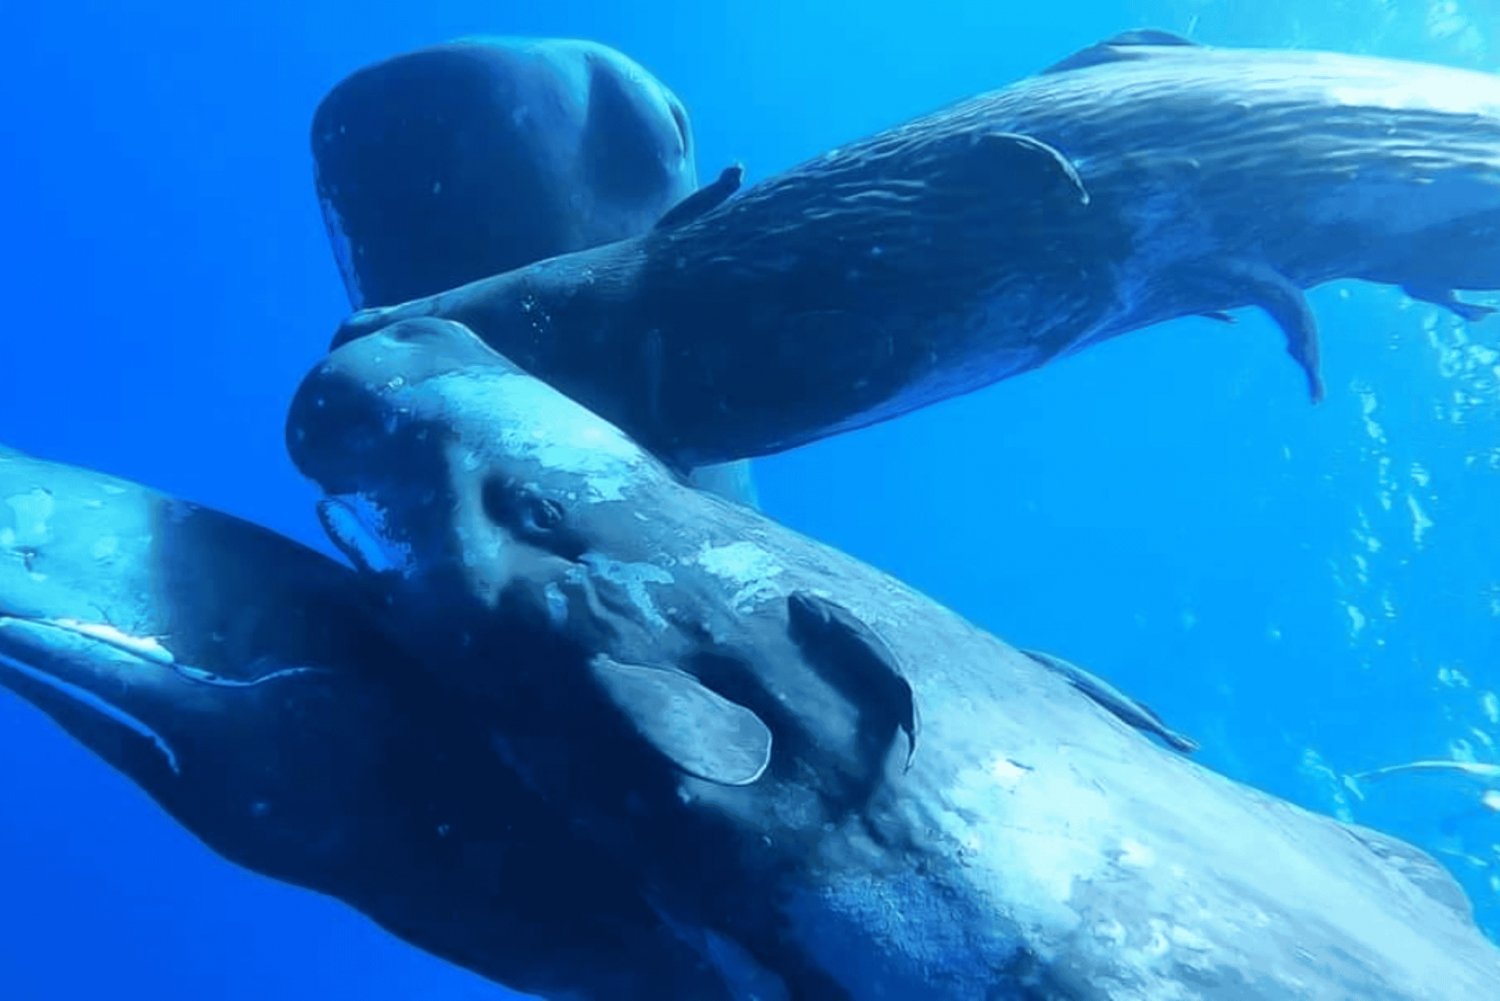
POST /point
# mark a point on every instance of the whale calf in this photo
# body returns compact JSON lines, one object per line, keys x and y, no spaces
{"x":1008,"y":837}
{"x":1141,"y":180}
{"x":240,"y":681}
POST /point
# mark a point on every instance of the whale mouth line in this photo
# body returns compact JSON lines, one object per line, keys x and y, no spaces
{"x":356,"y":525}
{"x":65,"y":639}
{"x":148,"y":650}
{"x":36,"y":630}
{"x":144,"y":648}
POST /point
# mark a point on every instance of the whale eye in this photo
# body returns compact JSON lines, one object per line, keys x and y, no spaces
{"x":541,"y":515}
{"x":529,"y":514}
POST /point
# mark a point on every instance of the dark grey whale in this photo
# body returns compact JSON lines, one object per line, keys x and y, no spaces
{"x":240,"y":681}
{"x":1032,"y":846}
{"x":1140,"y":180}
{"x":443,"y":165}
{"x":450,"y":163}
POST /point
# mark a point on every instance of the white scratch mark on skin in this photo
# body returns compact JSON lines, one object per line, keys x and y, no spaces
{"x":1007,"y":773}
{"x":746,"y":566}
{"x":1133,"y":853}
{"x":31,"y":515}
{"x":535,"y":422}
{"x":557,"y":605}
{"x":633,"y":577}
{"x":147,"y":648}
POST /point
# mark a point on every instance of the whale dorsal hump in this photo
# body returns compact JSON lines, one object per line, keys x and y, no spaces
{"x":705,"y":199}
{"x":698,"y":730}
{"x":1120,"y":48}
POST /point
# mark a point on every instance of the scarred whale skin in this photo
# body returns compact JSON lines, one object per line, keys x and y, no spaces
{"x":939,"y":257}
{"x":238,"y":679}
{"x":1033,"y":846}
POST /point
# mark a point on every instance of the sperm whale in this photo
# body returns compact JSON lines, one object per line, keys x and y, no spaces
{"x":1141,"y":180}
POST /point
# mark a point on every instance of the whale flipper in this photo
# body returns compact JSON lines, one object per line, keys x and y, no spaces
{"x":1471,"y":312}
{"x":1120,"y":705}
{"x":705,"y":199}
{"x":700,"y":731}
{"x":1285,"y":304}
{"x":856,"y":661}
{"x":1119,"y":49}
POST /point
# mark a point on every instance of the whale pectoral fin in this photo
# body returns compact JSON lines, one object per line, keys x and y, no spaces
{"x":698,"y":730}
{"x":1285,"y":304}
{"x":1124,"y":708}
{"x":856,"y":661}
{"x":1219,"y":315}
{"x":1471,"y":312}
{"x":705,"y":199}
{"x":1121,"y":48}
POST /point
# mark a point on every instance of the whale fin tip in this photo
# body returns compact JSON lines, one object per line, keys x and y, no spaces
{"x":1286,"y":305}
{"x":1470,"y":312}
{"x":850,"y":654}
{"x":1131,"y":712}
{"x":694,"y":727}
{"x":705,"y":199}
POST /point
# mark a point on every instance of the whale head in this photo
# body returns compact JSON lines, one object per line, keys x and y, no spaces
{"x":229,"y":672}
{"x":240,"y":680}
{"x":473,"y":492}
{"x":457,"y":161}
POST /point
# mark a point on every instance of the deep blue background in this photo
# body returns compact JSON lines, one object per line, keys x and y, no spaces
{"x":1311,"y":591}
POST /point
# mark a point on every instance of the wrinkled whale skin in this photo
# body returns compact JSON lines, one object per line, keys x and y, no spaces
{"x":1034,"y":847}
{"x":1314,"y":166}
{"x":240,"y":681}
{"x":817,"y":301}
{"x":916,"y":265}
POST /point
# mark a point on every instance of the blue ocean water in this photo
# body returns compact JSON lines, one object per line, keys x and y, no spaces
{"x":1312,"y":591}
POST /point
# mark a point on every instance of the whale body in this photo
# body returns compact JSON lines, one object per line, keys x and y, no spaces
{"x":238,"y":678}
{"x":902,"y":805}
{"x":1141,"y":180}
{"x":450,"y":163}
